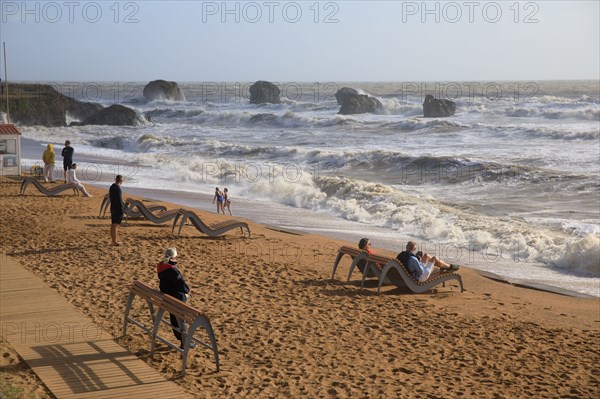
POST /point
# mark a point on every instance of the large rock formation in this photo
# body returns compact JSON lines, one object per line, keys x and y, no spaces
{"x":352,"y":102}
{"x":342,"y":94}
{"x":81,"y":110}
{"x":115,"y":115}
{"x":436,"y":108}
{"x":264,"y":92}
{"x":163,"y":90}
{"x":38,"y":104}
{"x":360,"y":104}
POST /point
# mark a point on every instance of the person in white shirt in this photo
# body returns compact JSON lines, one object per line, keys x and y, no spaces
{"x":72,"y":179}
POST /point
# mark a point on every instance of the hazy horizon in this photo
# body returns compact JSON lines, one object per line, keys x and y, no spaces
{"x":342,"y":41}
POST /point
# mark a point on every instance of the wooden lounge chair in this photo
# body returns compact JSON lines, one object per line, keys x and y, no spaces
{"x":213,"y":230}
{"x":158,"y":218}
{"x":48,"y":192}
{"x":130,"y":212}
{"x":390,"y":270}
{"x":359,"y":258}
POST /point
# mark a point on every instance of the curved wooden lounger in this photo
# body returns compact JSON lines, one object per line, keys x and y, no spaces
{"x":160,"y":218}
{"x":130,"y":212}
{"x":213,"y":230}
{"x":358,"y":256}
{"x":390,"y":270}
{"x":395,"y":270}
{"x":49,"y":192}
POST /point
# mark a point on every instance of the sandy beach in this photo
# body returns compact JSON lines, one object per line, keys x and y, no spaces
{"x":286,"y":330}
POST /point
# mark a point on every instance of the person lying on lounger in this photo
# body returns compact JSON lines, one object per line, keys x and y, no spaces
{"x":422,"y":267}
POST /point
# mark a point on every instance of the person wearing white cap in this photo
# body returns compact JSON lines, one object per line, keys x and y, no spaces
{"x":172,"y":283}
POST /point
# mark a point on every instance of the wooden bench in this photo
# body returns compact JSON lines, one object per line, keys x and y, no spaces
{"x":160,"y":304}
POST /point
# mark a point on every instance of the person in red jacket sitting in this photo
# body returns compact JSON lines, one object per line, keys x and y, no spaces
{"x":172,"y":283}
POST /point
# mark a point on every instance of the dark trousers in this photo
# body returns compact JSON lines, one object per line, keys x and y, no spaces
{"x":175,"y":324}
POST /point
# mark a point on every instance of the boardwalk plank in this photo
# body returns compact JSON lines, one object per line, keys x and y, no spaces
{"x":71,"y":355}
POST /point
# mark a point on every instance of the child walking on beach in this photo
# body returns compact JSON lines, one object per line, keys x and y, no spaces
{"x":219,"y":198}
{"x":226,"y":201}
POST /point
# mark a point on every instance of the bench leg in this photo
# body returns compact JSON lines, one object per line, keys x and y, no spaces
{"x":151,"y":309}
{"x":157,"y":319}
{"x":335,"y":264}
{"x":127,"y":309}
{"x":200,"y":321}
{"x":355,"y":261}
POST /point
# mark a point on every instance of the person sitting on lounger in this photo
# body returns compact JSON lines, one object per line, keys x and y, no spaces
{"x":72,"y":178}
{"x":421,"y":268}
{"x":365,"y":245}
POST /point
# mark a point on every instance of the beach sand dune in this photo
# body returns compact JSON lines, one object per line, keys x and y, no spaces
{"x":286,"y":330}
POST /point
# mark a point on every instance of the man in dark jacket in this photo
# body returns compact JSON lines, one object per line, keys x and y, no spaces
{"x":116,"y":207}
{"x":67,"y":154}
{"x":421,"y":265}
{"x":173,"y":284}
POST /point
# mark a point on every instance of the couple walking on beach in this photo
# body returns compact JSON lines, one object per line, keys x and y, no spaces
{"x":223,"y":200}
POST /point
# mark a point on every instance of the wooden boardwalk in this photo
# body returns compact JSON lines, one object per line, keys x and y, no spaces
{"x":72,"y":356}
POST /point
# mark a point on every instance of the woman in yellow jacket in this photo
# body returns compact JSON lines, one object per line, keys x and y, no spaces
{"x":48,"y":158}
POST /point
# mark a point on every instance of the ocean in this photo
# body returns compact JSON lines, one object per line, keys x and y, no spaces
{"x":509,"y":184}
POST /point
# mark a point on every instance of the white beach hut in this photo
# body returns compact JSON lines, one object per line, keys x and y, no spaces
{"x":10,"y":150}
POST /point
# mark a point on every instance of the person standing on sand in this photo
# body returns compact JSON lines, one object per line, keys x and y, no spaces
{"x":67,"y":154}
{"x":172,"y":283}
{"x":49,"y":160}
{"x":226,"y":201}
{"x":117,"y":209}
{"x":72,"y":179}
{"x":219,"y":198}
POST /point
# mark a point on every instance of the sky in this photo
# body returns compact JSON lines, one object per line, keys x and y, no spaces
{"x":300,"y":41}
